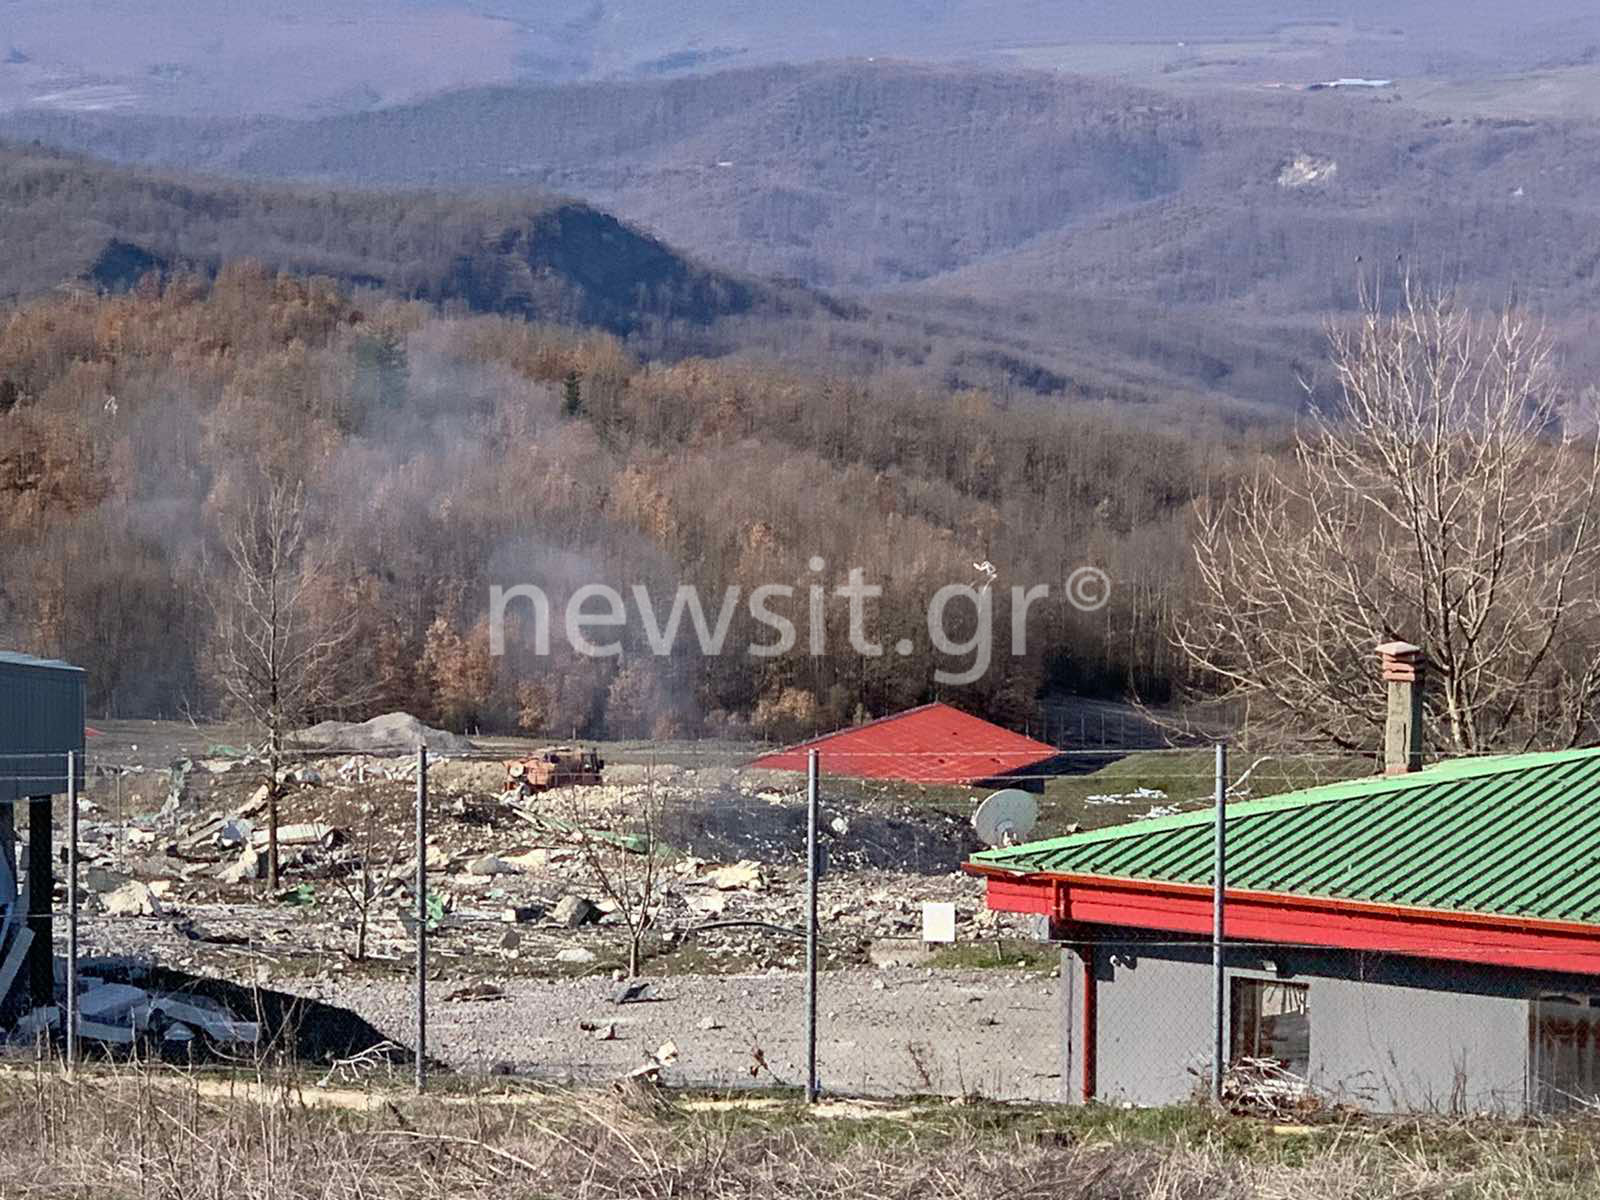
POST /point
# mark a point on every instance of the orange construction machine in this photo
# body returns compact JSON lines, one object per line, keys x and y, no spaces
{"x":559,"y":766}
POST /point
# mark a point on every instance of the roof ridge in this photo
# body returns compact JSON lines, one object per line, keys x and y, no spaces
{"x":1470,"y":767}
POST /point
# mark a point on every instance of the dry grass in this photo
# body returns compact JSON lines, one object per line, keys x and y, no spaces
{"x":163,"y":1135}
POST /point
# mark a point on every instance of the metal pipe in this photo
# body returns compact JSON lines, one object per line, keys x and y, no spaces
{"x":422,"y":920}
{"x":41,"y":901}
{"x":813,"y":1090}
{"x":72,"y":910}
{"x":1091,"y":1026}
{"x":1219,"y":864}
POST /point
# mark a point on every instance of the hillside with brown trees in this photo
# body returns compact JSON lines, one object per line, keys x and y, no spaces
{"x":439,"y":455}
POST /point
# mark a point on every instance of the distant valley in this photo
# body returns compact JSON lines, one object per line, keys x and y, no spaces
{"x":1099,"y":239}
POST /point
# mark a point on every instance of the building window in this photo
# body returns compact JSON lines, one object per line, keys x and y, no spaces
{"x":1565,"y":1052}
{"x":1272,"y":1024}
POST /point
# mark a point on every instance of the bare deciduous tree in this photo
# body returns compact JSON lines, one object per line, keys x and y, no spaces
{"x":622,"y":854}
{"x":1449,"y":499}
{"x":277,"y":650}
{"x":378,"y":863}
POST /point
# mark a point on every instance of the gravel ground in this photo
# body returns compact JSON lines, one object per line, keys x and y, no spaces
{"x":886,"y":1032}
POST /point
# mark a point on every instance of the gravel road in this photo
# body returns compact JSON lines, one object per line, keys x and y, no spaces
{"x":882,"y":1032}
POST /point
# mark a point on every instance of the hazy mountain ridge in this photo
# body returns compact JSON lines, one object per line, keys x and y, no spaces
{"x":844,"y":176}
{"x":303,"y":58}
{"x":536,"y":255}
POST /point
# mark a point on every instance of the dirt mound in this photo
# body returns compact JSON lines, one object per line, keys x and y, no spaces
{"x":392,"y":733}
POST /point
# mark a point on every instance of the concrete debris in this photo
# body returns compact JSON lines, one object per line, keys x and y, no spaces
{"x":667,"y":1053}
{"x":606,"y":1033}
{"x":633,"y":991}
{"x":489,"y":864}
{"x":251,"y":865}
{"x":477,"y":992}
{"x":97,"y":881}
{"x":211,"y":1018}
{"x":708,"y":1024}
{"x":711,"y":904}
{"x":33,"y":1024}
{"x":739,"y":877}
{"x":574,"y":911}
{"x":119,"y":1013}
{"x":132,"y":899}
{"x":110,"y":1001}
{"x":511,"y":889}
{"x":310,"y":833}
{"x":533,"y":862}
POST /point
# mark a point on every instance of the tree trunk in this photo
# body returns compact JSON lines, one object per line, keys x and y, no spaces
{"x":274,"y":763}
{"x":272,"y":837}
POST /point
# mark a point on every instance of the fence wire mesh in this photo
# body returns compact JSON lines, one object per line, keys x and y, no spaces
{"x":655,"y":923}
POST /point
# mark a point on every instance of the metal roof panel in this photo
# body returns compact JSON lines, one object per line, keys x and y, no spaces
{"x":1515,"y":836}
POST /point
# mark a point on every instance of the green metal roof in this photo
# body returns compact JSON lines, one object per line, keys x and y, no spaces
{"x":1514,"y":836}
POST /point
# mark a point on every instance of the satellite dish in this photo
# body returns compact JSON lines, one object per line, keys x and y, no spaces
{"x":1006,"y":817}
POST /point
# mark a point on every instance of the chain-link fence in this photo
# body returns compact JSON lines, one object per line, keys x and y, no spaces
{"x":654,"y":921}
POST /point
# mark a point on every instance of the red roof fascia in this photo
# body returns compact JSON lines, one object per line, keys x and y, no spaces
{"x":1300,"y":920}
{"x":933,"y":743}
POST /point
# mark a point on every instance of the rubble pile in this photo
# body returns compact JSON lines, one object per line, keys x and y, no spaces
{"x":392,"y":733}
{"x":511,"y":891}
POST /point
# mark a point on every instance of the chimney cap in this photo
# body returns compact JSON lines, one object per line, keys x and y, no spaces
{"x":1399,"y":650}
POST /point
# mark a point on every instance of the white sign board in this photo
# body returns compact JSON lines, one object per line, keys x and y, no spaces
{"x":939,"y":922}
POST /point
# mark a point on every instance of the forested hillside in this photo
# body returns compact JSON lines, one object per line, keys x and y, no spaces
{"x":529,"y":253}
{"x":441,"y":455}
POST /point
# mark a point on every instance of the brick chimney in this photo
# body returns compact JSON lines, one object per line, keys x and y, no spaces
{"x":1403,"y":666}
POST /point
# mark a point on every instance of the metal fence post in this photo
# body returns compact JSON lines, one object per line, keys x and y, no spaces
{"x":72,"y":910}
{"x":1219,"y":1048}
{"x":812,"y":1088}
{"x":422,"y":920}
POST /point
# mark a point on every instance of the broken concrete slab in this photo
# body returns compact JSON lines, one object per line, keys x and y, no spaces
{"x":97,"y":881}
{"x":743,"y":876}
{"x":531,"y":861}
{"x":132,"y":899}
{"x":251,"y":865}
{"x":217,"y":1022}
{"x":112,"y":1003}
{"x":573,"y":911}
{"x":307,"y":833}
{"x":633,"y":991}
{"x":490,"y":865}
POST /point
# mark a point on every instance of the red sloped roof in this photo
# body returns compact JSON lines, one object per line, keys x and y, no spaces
{"x":931,"y":744}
